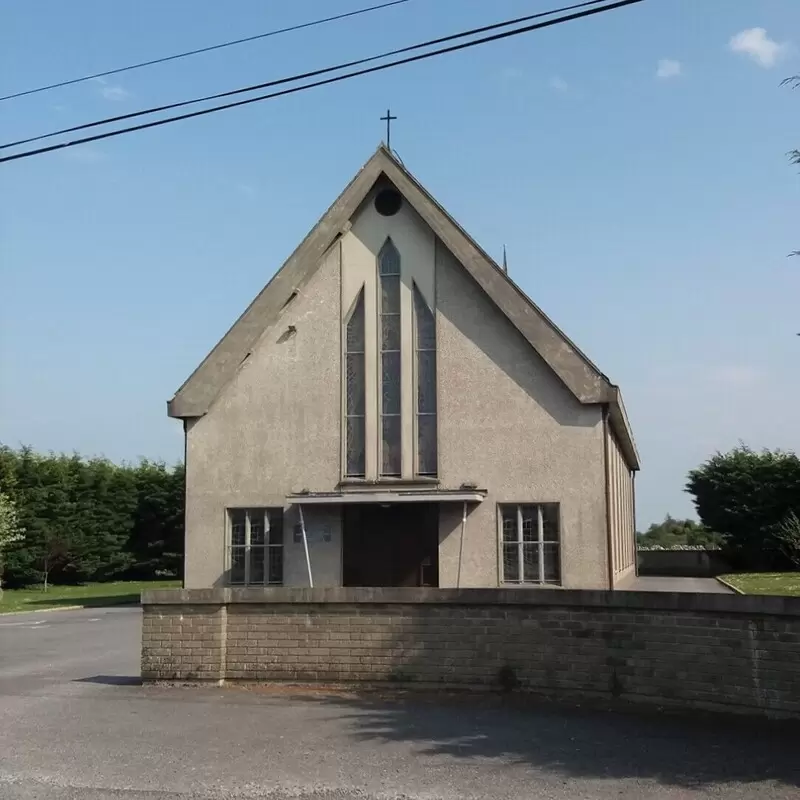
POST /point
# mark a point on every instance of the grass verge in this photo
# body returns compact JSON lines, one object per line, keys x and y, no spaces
{"x":775,"y":583}
{"x":88,"y":594}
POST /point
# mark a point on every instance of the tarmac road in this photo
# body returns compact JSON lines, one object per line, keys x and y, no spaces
{"x":75,"y":723}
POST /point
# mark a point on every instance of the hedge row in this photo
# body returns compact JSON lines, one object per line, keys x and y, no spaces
{"x":91,"y":519}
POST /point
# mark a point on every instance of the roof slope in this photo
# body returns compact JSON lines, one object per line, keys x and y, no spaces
{"x":573,"y":367}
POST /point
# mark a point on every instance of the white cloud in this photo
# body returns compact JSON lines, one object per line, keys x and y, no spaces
{"x":114,"y":93}
{"x":755,"y":44}
{"x":668,"y":68}
{"x":111,"y":91}
{"x":558,"y":84}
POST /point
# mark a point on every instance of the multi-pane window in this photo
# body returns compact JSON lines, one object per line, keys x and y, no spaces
{"x":389,"y":309}
{"x":530,"y":542}
{"x":256,"y":546}
{"x":425,"y":347}
{"x":355,"y":391}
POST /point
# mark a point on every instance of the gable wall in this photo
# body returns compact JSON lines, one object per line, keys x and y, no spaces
{"x":508,"y":424}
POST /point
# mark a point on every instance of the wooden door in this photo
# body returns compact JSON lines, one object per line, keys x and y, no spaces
{"x":394,"y":545}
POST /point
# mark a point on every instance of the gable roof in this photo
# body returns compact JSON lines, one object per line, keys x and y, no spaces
{"x":573,"y":367}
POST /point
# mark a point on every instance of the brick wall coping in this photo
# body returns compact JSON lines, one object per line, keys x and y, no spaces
{"x":654,"y":601}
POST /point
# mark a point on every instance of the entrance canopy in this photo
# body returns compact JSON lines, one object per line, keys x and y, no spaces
{"x":385,"y":497}
{"x":406,"y":551}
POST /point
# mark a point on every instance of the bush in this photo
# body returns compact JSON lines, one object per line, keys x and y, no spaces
{"x":674,"y":547}
{"x":745,"y":496}
{"x":679,"y":534}
{"x":787,"y":534}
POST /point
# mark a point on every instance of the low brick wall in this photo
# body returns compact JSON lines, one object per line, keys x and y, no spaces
{"x":703,"y":651}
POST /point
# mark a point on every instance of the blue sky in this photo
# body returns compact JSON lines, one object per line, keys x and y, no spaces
{"x":633,"y":163}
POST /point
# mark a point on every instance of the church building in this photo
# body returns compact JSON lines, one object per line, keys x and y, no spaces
{"x":393,"y":410}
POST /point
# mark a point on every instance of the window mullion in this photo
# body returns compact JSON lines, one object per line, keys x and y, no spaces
{"x":265,"y":567}
{"x":229,"y":565}
{"x":540,"y":541}
{"x":247,"y":548}
{"x":520,"y":546}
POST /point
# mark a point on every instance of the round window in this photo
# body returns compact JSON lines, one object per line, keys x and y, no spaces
{"x":388,"y":202}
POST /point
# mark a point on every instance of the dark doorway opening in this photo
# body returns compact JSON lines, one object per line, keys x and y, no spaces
{"x":391,"y":545}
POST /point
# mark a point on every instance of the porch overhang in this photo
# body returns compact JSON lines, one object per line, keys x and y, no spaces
{"x":385,"y":497}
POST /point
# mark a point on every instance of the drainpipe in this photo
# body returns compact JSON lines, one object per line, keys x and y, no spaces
{"x":185,"y":494}
{"x":607,"y":470}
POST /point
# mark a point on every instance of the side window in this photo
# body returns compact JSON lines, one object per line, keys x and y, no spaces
{"x":530,"y":540}
{"x":255,"y":546}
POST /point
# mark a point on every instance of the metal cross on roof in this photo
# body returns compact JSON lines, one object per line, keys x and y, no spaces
{"x":388,"y":120}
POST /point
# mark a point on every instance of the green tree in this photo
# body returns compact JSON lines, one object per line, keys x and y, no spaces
{"x":90,"y":519}
{"x":103,"y":502}
{"x":8,"y":471}
{"x":156,"y":542}
{"x":744,"y":495}
{"x":46,"y":508}
{"x":11,"y":532}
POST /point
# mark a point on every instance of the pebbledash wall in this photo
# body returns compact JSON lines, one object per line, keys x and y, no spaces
{"x":700,"y":651}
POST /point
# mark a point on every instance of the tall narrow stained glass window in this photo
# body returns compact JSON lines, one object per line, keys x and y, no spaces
{"x":425,"y":346}
{"x":389,"y":308}
{"x":355,"y":390}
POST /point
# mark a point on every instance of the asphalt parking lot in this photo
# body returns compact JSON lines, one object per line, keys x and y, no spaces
{"x":75,"y":723}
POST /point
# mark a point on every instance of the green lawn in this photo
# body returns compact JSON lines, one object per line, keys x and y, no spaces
{"x":89,"y":594}
{"x":782,"y":583}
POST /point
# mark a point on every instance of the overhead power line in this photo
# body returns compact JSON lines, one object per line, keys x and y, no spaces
{"x":302,"y":76}
{"x":335,"y":79}
{"x":198,"y":51}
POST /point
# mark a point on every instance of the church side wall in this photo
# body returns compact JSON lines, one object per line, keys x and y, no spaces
{"x":620,"y":496}
{"x":274,"y":430}
{"x":508,"y":425}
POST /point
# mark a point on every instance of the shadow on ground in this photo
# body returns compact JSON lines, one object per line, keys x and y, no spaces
{"x":112,"y":680}
{"x":87,"y":602}
{"x":681,"y":751}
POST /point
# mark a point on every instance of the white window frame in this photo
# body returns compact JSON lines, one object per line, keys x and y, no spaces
{"x":540,"y":542}
{"x":248,"y":548}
